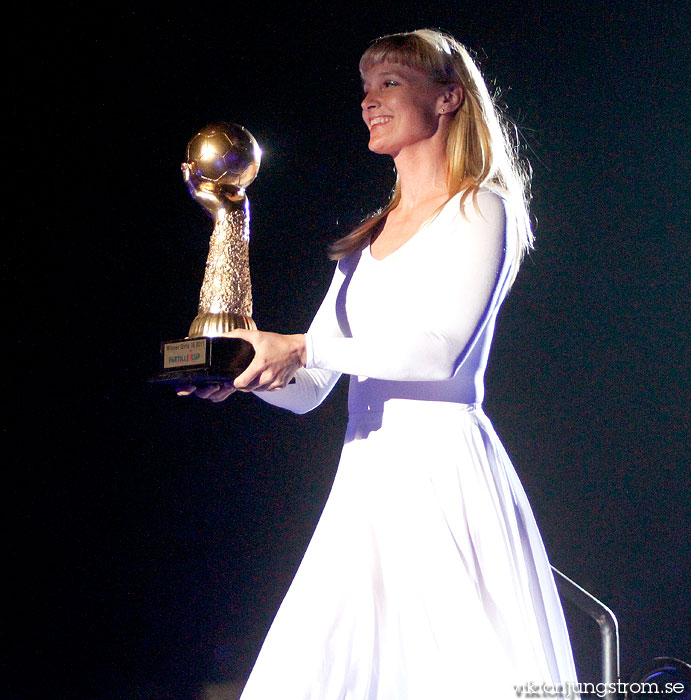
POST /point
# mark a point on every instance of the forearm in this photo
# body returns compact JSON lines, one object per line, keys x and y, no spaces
{"x":310,"y":388}
{"x":417,"y":356}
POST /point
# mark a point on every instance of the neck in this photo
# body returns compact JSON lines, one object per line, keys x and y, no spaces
{"x":422,"y":172}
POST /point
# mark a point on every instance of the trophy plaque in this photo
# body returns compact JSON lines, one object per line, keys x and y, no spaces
{"x":222,"y":160}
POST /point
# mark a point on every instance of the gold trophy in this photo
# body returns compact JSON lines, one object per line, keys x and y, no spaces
{"x":222,"y":161}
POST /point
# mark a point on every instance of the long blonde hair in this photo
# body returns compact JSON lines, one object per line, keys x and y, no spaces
{"x":480,"y":149}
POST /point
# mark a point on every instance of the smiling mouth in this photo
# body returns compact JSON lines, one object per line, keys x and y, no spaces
{"x":378,"y":121}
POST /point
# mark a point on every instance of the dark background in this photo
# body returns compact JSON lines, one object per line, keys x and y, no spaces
{"x":152,"y":538}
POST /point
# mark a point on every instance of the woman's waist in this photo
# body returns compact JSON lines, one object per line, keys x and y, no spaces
{"x":403,"y":409}
{"x":409,"y":421}
{"x":376,"y":396}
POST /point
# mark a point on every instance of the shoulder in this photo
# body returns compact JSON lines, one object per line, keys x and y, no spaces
{"x":474,"y":232}
{"x":484,"y":210}
{"x":481,"y":217}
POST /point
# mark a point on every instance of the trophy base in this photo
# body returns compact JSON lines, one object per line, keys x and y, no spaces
{"x":202,"y":361}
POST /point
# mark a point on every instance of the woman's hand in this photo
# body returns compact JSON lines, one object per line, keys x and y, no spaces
{"x":213,"y":392}
{"x":276,"y":360}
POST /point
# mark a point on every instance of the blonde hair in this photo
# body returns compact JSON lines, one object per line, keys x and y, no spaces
{"x":480,"y":148}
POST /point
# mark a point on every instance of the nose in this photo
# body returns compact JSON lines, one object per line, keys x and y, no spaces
{"x":369,"y":101}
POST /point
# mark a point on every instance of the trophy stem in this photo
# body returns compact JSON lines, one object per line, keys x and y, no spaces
{"x":225,"y":300}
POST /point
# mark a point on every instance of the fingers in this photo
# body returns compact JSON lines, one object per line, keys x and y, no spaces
{"x":257,"y":380}
{"x":247,"y":381}
{"x":275,"y":361}
{"x":206,"y":392}
{"x":250,"y":336}
{"x":223,"y":393}
{"x":213,"y":392}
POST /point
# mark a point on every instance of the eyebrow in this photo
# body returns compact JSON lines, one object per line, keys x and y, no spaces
{"x":387,"y":74}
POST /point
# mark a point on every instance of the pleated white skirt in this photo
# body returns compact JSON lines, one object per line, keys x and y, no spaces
{"x":426,"y":577}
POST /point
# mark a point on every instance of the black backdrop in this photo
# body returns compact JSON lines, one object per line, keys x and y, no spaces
{"x":151,"y":538}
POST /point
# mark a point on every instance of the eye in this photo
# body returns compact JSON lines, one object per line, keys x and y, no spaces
{"x":390,"y":83}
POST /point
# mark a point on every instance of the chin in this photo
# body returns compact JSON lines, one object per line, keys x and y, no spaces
{"x":379,"y":148}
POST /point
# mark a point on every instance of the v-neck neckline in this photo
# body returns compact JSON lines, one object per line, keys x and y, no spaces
{"x":424,"y":226}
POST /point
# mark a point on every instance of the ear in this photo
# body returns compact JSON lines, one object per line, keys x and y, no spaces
{"x":451,"y":98}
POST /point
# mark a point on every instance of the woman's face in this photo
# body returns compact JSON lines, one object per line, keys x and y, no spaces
{"x":401,"y":107}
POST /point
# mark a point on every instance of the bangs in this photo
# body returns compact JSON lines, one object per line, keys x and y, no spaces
{"x":411,"y":51}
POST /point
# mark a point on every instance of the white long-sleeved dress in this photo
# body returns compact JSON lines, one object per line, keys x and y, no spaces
{"x":426,"y":577}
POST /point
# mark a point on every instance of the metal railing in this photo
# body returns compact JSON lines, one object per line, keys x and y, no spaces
{"x":609,"y":629}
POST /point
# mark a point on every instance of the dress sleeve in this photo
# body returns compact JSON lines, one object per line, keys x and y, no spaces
{"x":463,"y":286}
{"x":312,"y":385}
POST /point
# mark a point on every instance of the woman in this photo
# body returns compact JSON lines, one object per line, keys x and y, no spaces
{"x":426,"y":577}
